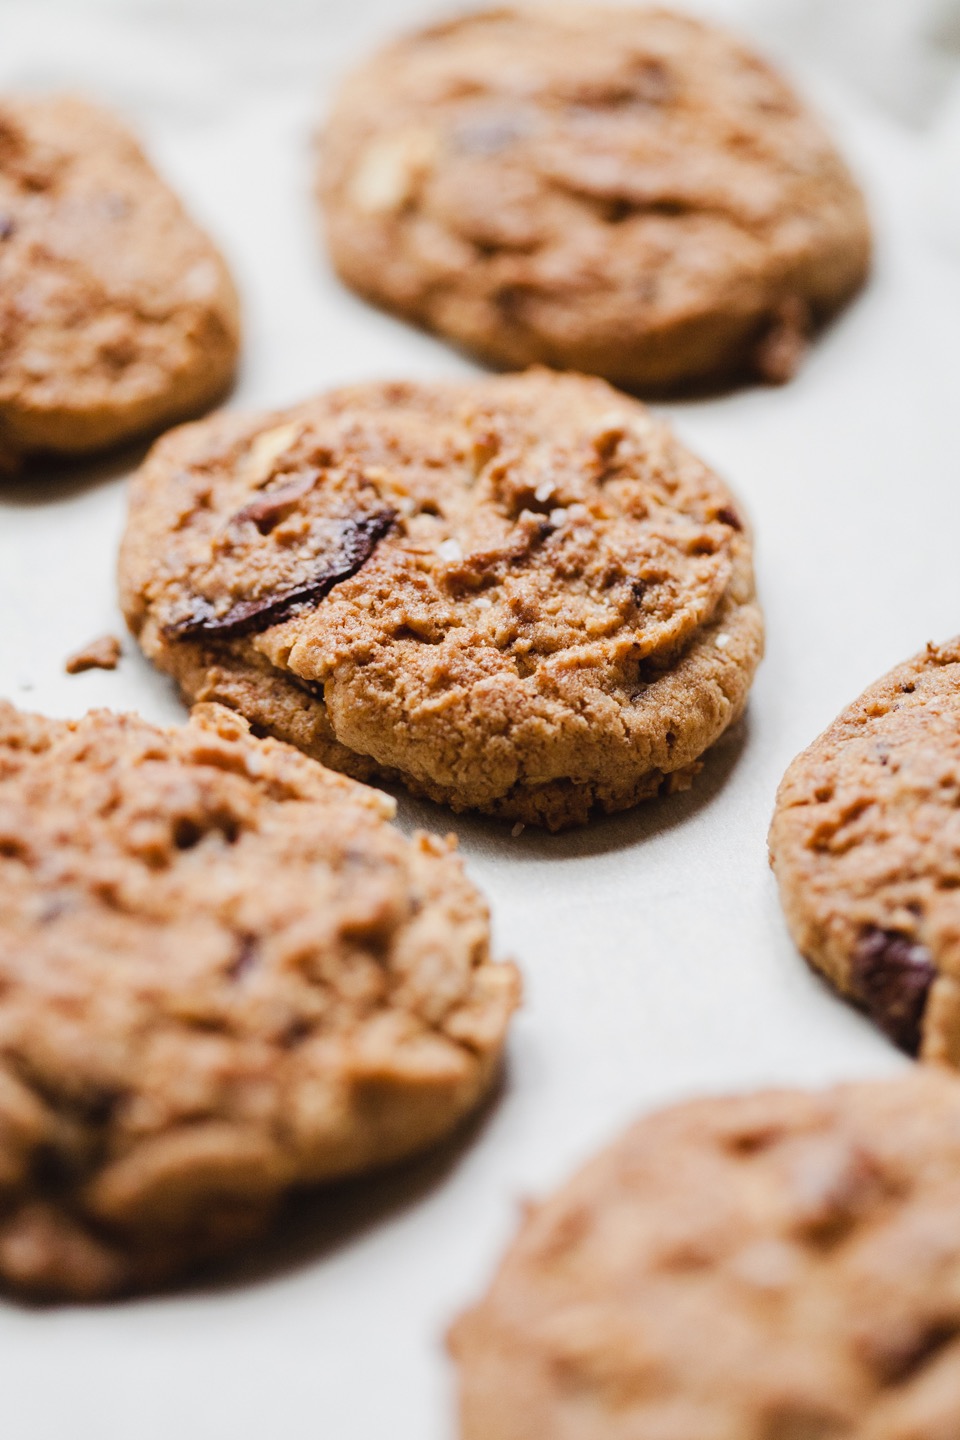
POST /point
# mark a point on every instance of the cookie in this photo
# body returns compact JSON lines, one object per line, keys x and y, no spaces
{"x":865,"y":843}
{"x":519,"y":595}
{"x":222,"y":974}
{"x":627,"y":192}
{"x":117,"y":314}
{"x":779,"y":1266}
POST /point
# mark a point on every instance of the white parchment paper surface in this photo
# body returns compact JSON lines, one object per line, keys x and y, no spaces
{"x":655,"y":958}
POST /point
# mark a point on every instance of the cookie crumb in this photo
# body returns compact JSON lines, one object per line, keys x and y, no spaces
{"x":722,"y":640}
{"x":518,"y":829}
{"x":101,"y":654}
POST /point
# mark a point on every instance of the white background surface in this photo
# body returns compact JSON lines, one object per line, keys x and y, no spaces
{"x":655,"y":959}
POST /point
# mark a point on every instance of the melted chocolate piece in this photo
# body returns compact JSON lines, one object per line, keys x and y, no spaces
{"x":272,"y":505}
{"x":728,"y":516}
{"x":358,"y":540}
{"x":892,"y":975}
{"x":898,"y":1356}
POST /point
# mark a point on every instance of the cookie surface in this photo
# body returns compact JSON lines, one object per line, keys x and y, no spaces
{"x":770,"y":1267}
{"x":222,"y":974}
{"x":117,"y":314}
{"x":865,"y":843}
{"x":627,"y":192}
{"x":520,"y":595}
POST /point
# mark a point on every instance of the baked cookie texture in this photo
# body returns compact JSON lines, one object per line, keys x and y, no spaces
{"x":865,"y":843}
{"x":117,"y":314}
{"x":222,"y":974}
{"x":520,"y":595}
{"x":627,"y":192}
{"x":781,"y":1266}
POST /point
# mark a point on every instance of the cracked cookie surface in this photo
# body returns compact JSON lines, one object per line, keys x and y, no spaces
{"x":865,"y":843}
{"x":766,"y":1267}
{"x":521,"y":595}
{"x":117,"y":314}
{"x":222,"y":974}
{"x":627,"y":192}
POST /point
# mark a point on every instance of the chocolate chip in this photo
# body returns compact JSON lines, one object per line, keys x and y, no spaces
{"x":638,"y":589}
{"x":510,"y":300}
{"x":295,"y":1033}
{"x":53,"y":1170}
{"x":899,"y":1352}
{"x":892,"y":975}
{"x":268,"y":509}
{"x":619,"y":209}
{"x":357,"y":542}
{"x":99,"y":1106}
{"x":728,"y":516}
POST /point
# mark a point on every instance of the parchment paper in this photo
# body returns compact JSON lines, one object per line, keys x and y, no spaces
{"x":655,"y":958}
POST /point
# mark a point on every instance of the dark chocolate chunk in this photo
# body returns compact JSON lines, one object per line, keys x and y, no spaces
{"x":892,"y":975}
{"x":357,"y":542}
{"x":272,"y":505}
{"x":296,"y":1032}
{"x":728,"y":516}
{"x":53,"y":1170}
{"x":899,"y":1355}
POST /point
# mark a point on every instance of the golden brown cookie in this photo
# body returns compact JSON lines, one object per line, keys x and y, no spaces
{"x":782,"y":1266}
{"x":520,"y":595}
{"x":117,"y":314}
{"x":222,"y":974}
{"x":865,"y":843}
{"x":628,"y":192}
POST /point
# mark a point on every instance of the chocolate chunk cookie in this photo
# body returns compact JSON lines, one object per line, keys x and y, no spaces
{"x":520,"y":594}
{"x":626,"y":192}
{"x":222,"y":974}
{"x":782,"y":1266}
{"x":117,"y":315}
{"x":865,"y":843}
